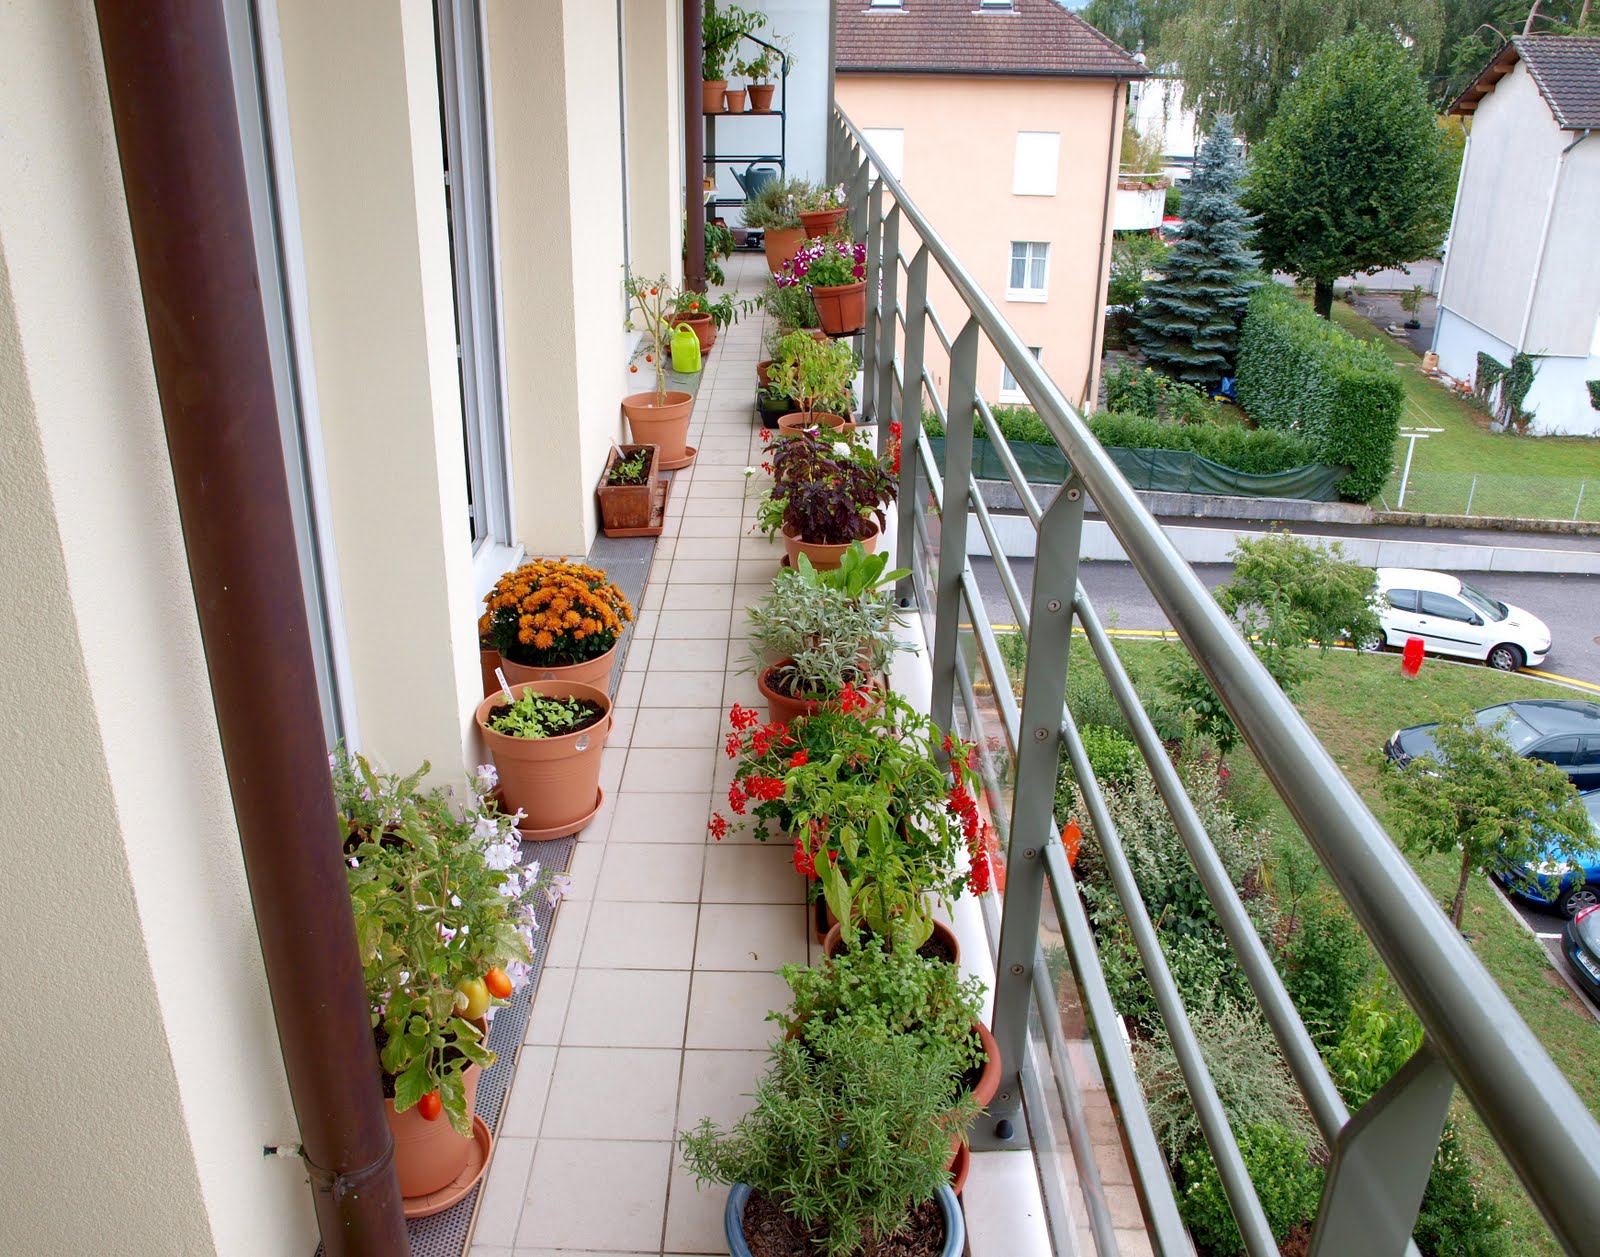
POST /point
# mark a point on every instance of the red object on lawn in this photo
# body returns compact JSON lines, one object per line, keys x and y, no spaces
{"x":1411,"y":658}
{"x":1071,"y":839}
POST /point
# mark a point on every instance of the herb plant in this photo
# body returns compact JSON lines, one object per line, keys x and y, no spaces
{"x":848,"y":1136}
{"x":629,"y":469}
{"x":535,"y":716}
{"x":791,"y":307}
{"x":776,"y":206}
{"x":825,"y":490}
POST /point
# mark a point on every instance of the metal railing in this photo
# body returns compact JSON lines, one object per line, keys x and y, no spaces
{"x":1382,"y":1155}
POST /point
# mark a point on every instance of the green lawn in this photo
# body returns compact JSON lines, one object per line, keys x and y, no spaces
{"x":1525,"y":476}
{"x":1353,"y":702}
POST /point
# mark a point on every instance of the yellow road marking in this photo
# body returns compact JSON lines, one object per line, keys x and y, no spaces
{"x":1556,"y":676}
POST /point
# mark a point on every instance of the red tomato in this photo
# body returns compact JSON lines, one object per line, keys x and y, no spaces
{"x":430,"y":1106}
{"x":498,"y":983}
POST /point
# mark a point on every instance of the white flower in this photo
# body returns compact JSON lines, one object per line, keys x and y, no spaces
{"x":749,"y":471}
{"x":455,"y":901}
{"x":487,"y":829}
{"x":488,"y":777}
{"x":560,"y":884}
{"x":842,"y":449}
{"x":500,"y":856}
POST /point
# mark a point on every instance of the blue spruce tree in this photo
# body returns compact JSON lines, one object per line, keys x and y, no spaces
{"x":1188,"y":326}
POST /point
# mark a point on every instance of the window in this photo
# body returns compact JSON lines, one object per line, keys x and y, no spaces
{"x":999,"y":6}
{"x":890,"y":144}
{"x":1402,"y":599}
{"x":1558,"y":751}
{"x":1588,"y":759}
{"x":886,"y":4}
{"x":1029,"y":270}
{"x":1009,"y":390}
{"x":1038,"y":157}
{"x":1446,"y":607}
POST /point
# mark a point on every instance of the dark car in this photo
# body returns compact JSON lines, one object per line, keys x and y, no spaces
{"x":1563,"y":732}
{"x":1580,"y":944}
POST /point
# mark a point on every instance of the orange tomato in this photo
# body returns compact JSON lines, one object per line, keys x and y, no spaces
{"x":498,"y":983}
{"x":430,"y":1106}
{"x":634,"y":369}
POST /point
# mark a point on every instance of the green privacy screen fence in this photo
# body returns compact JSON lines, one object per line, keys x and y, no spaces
{"x":1160,"y":471}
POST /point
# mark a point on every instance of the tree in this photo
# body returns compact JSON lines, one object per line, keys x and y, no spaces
{"x":1353,"y":174}
{"x":1474,"y":30}
{"x":1189,"y":324}
{"x":1476,"y":796}
{"x":1135,"y":24}
{"x":1331,"y":595}
{"x":1239,"y":56}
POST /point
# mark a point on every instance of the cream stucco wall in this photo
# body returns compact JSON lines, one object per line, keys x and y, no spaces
{"x":653,"y":43}
{"x":558,"y":155}
{"x":960,"y":140}
{"x":363,"y":103}
{"x":145,"y":1069}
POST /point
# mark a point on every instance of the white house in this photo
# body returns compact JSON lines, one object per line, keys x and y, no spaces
{"x":1523,"y":271}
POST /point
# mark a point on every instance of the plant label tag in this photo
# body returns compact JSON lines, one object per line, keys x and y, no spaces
{"x":505,"y":688}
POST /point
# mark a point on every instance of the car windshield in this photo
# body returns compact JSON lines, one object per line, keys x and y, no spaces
{"x":1592,"y":802}
{"x":1512,"y":727}
{"x":1490,"y":607}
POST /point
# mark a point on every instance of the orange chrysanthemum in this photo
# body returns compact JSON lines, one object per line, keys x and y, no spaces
{"x":549,"y":613}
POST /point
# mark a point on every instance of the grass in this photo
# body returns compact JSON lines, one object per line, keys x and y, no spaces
{"x":1353,"y":702}
{"x":1535,"y":477}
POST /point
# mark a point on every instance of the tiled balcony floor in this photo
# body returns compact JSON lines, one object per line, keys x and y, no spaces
{"x":659,"y":971}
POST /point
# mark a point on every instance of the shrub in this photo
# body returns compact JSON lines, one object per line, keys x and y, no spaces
{"x":1255,"y":451}
{"x":1380,"y":1035}
{"x":1137,"y":390}
{"x":1188,"y":404}
{"x":1279,"y":1162}
{"x":1457,"y":1219}
{"x":1301,"y":373}
{"x":1325,"y":962}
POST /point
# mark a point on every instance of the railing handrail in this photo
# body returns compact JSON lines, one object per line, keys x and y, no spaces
{"x":1535,"y":1115}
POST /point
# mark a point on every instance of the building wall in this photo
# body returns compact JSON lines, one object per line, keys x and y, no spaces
{"x":1567,"y":303}
{"x":653,"y":94}
{"x":970,"y":203}
{"x":1559,"y":397}
{"x":145,"y":1065}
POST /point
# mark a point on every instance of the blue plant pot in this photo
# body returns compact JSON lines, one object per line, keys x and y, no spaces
{"x":955,"y":1223}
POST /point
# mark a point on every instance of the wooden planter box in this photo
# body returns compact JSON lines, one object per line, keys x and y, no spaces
{"x":627,"y":506}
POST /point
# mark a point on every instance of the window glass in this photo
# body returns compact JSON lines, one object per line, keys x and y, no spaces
{"x":1445,"y":607}
{"x":1491,"y":608}
{"x":1588,"y":757}
{"x":1037,"y":160}
{"x":1009,"y":389}
{"x":1559,"y":751}
{"x":1512,"y":727}
{"x":1029,"y":267}
{"x":1402,"y":599}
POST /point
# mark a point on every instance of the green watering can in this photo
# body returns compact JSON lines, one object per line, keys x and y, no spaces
{"x":685,"y":350}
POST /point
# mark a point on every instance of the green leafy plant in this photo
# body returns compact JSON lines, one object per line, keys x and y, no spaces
{"x":1304,"y":374}
{"x":1325,"y":961}
{"x":1188,"y":404}
{"x":1380,"y":1035}
{"x":880,"y":994}
{"x":722,"y":27}
{"x":1287,"y":1183}
{"x":776,"y":205}
{"x":1332,"y":596}
{"x":820,"y":374}
{"x":826,"y":490}
{"x":1135,"y":390}
{"x":1133,"y":255}
{"x":629,"y":469}
{"x":441,"y":902}
{"x":1255,"y":451}
{"x":766,"y":61}
{"x":535,"y":716}
{"x":1112,"y":757}
{"x":791,"y":308}
{"x":847,"y":1136}
{"x":1411,"y":300}
{"x":651,"y":302}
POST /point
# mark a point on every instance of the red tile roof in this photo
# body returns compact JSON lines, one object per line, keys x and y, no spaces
{"x":1566,"y":69}
{"x":1032,"y":37}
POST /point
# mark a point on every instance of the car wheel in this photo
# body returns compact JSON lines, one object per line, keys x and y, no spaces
{"x":1505,"y":657}
{"x":1577,"y":899}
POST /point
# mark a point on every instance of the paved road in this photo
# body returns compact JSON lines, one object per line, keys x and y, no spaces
{"x":1569,"y":604}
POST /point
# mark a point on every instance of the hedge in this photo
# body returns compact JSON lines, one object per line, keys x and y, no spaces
{"x":1301,"y":373}
{"x":1255,"y":451}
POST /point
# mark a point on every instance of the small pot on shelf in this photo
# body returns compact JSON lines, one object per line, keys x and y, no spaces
{"x":713,"y":91}
{"x":761,"y":97}
{"x":734,"y":99}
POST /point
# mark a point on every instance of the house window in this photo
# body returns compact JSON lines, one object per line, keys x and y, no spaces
{"x":886,"y":4}
{"x":998,"y":6}
{"x":1038,"y":157}
{"x":1030,"y":265}
{"x":890,"y":144}
{"x":1009,"y":391}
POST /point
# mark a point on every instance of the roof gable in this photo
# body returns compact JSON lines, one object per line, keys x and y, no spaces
{"x":1566,"y":69}
{"x":1032,"y":37}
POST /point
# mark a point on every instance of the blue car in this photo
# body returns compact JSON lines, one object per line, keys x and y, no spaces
{"x":1569,"y":881}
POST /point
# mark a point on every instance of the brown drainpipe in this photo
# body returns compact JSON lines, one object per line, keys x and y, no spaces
{"x":694,"y":146}
{"x":172,"y":102}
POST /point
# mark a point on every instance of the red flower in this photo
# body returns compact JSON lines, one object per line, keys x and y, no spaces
{"x":766,"y":789}
{"x":733,"y":745}
{"x":737,"y":799}
{"x":852,"y":699}
{"x":799,"y":758}
{"x":804,"y":861}
{"x":718,"y":826}
{"x":960,"y":804}
{"x":743,"y":717}
{"x":766,"y":435}
{"x":981,"y":877}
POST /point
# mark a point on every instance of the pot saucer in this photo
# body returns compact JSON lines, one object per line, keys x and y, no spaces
{"x":564,"y":830}
{"x":455,"y":1190}
{"x":676,"y":464}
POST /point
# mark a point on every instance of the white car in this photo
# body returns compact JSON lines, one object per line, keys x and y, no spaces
{"x":1453,"y":618}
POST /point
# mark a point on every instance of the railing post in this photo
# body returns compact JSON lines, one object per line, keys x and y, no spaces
{"x":886,"y":304}
{"x":869,"y":348}
{"x":909,"y":502}
{"x":860,"y":178}
{"x":1381,"y":1163}
{"x":1055,"y":581}
{"x":963,"y":400}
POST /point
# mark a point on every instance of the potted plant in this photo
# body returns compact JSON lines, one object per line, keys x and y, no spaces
{"x":765,"y":62}
{"x":626,"y":492}
{"x":772,"y":403}
{"x":826,"y":493}
{"x":810,"y":637}
{"x":721,"y":30}
{"x":843,"y":1153}
{"x":734,"y":96}
{"x":835,"y":273}
{"x":528,"y":616}
{"x":820,"y":377}
{"x":775,"y":212}
{"x":1411,"y":303}
{"x":658,"y":417}
{"x":546,"y":742}
{"x":690,"y":308}
{"x":444,"y":916}
{"x":792,"y":310}
{"x":822,"y":210}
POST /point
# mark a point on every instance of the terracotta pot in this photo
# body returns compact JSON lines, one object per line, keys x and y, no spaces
{"x":833,"y":940}
{"x":780,"y":244}
{"x":705,"y":327}
{"x":735,"y":100}
{"x":556,"y":781}
{"x":989,"y":1080}
{"x":762,"y":369}
{"x":713,"y":90}
{"x":824,"y":557}
{"x":488,"y":661}
{"x":780,"y":706}
{"x":821,"y":222}
{"x":800,"y":420}
{"x":960,"y":1163}
{"x":955,"y":1222}
{"x":664,"y":425}
{"x":761,"y":97}
{"x":430,"y":1155}
{"x":841,"y":308}
{"x":626,"y":505}
{"x":595,"y":672}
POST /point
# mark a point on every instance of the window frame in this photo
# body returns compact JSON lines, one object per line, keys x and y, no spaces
{"x":1009,"y":391}
{"x":1029,"y":256}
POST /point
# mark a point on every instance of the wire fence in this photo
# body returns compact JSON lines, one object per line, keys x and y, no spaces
{"x":1494,"y":495}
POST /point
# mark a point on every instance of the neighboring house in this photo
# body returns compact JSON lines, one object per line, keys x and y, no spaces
{"x":1522,"y":275}
{"x":1004,"y":121}
{"x":1157,"y":108}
